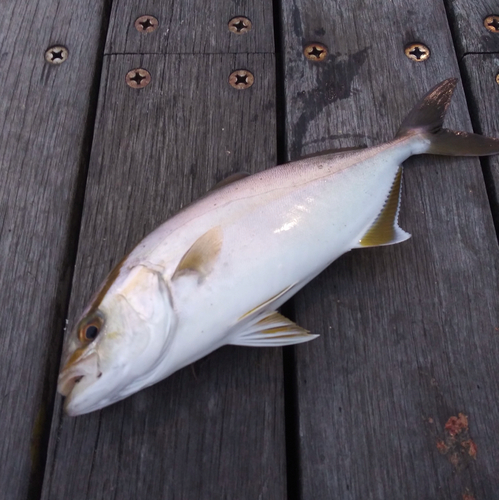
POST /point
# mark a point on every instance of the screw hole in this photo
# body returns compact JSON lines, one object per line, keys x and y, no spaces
{"x":138,"y":78}
{"x":241,"y":79}
{"x":417,"y":52}
{"x":315,"y":52}
{"x":239,"y":25}
{"x":56,"y":55}
{"x":146,"y":24}
{"x":492,"y":23}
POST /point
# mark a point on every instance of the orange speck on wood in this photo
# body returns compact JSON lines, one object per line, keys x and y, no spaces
{"x":470,"y":447}
{"x":455,"y":425}
{"x":442,"y":447}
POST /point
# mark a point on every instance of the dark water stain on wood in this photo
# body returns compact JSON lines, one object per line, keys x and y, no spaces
{"x":334,"y":82}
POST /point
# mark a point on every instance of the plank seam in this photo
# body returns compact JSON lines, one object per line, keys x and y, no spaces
{"x":38,"y":482}
{"x":187,"y":53}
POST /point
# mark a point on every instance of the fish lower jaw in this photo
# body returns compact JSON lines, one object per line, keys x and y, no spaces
{"x":76,"y":373}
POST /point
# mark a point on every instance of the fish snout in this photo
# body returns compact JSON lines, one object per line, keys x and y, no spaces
{"x":80,"y":365}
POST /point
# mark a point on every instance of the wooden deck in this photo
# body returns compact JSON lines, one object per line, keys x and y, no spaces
{"x":398,"y":398}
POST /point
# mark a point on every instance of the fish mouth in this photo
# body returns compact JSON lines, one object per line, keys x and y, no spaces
{"x":74,"y":372}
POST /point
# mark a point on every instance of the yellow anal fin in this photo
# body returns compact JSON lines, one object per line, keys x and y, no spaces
{"x":202,"y":255}
{"x":385,"y":229}
{"x":272,"y":329}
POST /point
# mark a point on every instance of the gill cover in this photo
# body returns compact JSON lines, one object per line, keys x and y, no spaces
{"x":149,"y":297}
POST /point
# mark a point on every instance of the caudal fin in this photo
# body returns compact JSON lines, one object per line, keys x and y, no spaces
{"x":426,"y":119}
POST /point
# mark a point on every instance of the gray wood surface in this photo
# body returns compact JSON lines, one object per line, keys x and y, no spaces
{"x":45,"y":112}
{"x":190,"y":27}
{"x":218,"y":433}
{"x":470,"y":34}
{"x":482,"y":71}
{"x":409,"y":333}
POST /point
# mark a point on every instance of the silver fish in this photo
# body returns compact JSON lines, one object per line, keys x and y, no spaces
{"x":217,"y":272}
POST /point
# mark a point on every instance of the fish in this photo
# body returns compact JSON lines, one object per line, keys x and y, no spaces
{"x":217,"y":272}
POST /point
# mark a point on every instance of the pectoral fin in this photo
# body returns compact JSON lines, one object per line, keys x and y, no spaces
{"x":202,"y":255}
{"x":271,"y":329}
{"x":385,"y":229}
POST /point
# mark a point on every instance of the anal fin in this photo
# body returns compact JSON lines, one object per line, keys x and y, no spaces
{"x":271,"y":329}
{"x":385,"y":229}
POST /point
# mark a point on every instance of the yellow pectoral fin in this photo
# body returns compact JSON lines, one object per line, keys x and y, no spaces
{"x":385,"y":229}
{"x":202,"y":255}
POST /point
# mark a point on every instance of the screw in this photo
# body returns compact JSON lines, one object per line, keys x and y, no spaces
{"x":241,"y":79}
{"x":497,"y":78}
{"x":56,"y":54}
{"x":146,"y":24}
{"x":417,"y":52}
{"x":315,"y":52}
{"x":239,"y":25}
{"x":492,"y":23}
{"x":138,"y":78}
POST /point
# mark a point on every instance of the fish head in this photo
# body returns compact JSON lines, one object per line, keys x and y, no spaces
{"x":119,"y":342}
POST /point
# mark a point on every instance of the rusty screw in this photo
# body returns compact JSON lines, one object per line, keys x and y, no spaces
{"x":239,"y":25}
{"x":146,"y":24}
{"x":417,"y":52}
{"x":315,"y":51}
{"x":492,"y":23}
{"x":138,"y":78}
{"x":241,"y":79}
{"x":56,"y":54}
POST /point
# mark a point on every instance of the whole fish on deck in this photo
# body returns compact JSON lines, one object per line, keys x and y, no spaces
{"x":217,"y":272}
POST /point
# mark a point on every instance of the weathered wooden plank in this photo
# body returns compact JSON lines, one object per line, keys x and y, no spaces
{"x":482,"y":71}
{"x":470,"y":33}
{"x":220,"y":432}
{"x":190,"y":27}
{"x":45,"y":111}
{"x":408,"y":333}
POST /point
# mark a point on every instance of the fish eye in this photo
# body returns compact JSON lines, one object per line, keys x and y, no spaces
{"x":90,"y":328}
{"x":91,"y":332}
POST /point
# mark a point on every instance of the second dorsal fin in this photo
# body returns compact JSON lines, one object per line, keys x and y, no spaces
{"x":385,"y":229}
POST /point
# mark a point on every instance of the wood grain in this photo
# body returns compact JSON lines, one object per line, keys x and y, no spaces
{"x":408,"y":333}
{"x":44,"y":112}
{"x":220,"y":431}
{"x":190,"y":27}
{"x":470,"y":34}
{"x":482,"y":71}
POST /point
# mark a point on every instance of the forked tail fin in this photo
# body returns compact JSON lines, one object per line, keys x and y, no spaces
{"x":426,"y":119}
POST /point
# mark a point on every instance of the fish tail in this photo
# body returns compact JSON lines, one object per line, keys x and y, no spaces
{"x":426,"y":119}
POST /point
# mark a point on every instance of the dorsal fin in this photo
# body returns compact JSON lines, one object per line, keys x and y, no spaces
{"x":385,"y":229}
{"x":229,"y":180}
{"x":202,"y":255}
